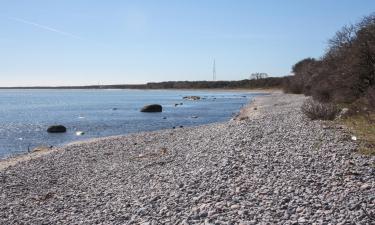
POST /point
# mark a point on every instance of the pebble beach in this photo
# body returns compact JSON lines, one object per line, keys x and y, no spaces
{"x":270,"y":165}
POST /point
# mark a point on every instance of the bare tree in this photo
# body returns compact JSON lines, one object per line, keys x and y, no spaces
{"x":257,"y":76}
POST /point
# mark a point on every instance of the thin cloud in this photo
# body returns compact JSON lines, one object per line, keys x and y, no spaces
{"x":45,"y":27}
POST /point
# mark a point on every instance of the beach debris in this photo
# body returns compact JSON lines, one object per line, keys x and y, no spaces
{"x":193,"y":98}
{"x":41,"y":148}
{"x":148,"y":155}
{"x":20,"y":139}
{"x":163,"y":151}
{"x":44,"y":197}
{"x":243,"y":118}
{"x":56,"y":129}
{"x":354,"y":138}
{"x":81,"y":117}
{"x":80,"y":133}
{"x":152,"y":108}
{"x":255,"y":108}
{"x":343,"y":113}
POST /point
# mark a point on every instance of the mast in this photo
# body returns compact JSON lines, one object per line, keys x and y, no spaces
{"x":214,"y":71}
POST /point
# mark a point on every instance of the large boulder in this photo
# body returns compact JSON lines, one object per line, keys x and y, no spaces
{"x":56,"y":129}
{"x":152,"y":108}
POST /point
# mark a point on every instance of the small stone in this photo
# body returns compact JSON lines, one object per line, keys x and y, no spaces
{"x":235,"y":206}
{"x":211,"y":213}
{"x":365,"y":187}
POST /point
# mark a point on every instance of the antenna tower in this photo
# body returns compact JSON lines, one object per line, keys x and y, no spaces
{"x":214,"y":71}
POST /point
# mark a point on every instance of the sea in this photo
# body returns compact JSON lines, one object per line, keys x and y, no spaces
{"x":25,"y":115}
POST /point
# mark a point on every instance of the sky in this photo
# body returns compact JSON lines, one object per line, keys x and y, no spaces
{"x":83,"y":42}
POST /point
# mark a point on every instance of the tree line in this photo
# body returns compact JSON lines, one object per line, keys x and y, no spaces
{"x":269,"y":82}
{"x":345,"y":74}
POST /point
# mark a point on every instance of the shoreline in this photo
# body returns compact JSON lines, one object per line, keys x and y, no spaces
{"x":275,"y":167}
{"x":14,"y":159}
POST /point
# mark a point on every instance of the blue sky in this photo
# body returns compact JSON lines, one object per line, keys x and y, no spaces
{"x":79,"y":42}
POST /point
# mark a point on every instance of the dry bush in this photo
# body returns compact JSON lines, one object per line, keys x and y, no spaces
{"x":345,"y":74}
{"x":319,"y":111}
{"x":370,"y":97}
{"x":292,"y":85}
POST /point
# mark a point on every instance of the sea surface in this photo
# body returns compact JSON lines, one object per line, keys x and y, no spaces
{"x":25,"y":115}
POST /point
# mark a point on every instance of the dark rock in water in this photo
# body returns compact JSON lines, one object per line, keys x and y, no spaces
{"x":173,"y":127}
{"x":56,"y":129}
{"x":152,"y":108}
{"x":192,"y":97}
{"x":114,"y":109}
{"x":164,"y":118}
{"x":176,"y":104}
{"x":194,"y":117}
{"x":181,"y":126}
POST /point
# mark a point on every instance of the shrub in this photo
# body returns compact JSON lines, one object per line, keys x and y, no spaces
{"x":316,"y":110}
{"x":345,"y":74}
{"x":291,"y":85}
{"x":370,"y":98}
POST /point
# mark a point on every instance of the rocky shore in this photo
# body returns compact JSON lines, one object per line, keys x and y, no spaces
{"x":270,"y":166}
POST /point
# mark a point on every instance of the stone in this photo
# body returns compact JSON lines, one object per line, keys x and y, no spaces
{"x":365,"y":187}
{"x":56,"y":129}
{"x":80,"y":133}
{"x":152,"y":108}
{"x":193,"y":98}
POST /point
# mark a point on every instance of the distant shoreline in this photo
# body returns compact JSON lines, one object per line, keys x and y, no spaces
{"x":252,"y":90}
{"x":265,"y":83}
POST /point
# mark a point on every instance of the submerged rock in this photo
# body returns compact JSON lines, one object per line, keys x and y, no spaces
{"x":194,"y":98}
{"x":152,"y":108}
{"x":56,"y":129}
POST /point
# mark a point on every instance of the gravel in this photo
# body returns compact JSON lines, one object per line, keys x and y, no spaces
{"x":274,"y":167}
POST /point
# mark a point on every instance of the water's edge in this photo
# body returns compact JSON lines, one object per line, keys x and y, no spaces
{"x":94,"y":139}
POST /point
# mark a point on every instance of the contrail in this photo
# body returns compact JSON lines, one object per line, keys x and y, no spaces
{"x":45,"y":27}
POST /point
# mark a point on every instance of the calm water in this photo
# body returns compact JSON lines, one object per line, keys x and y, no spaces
{"x":26,"y":114}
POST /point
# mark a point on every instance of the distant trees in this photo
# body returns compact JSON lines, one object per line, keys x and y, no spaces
{"x":257,"y":76}
{"x":270,"y":82}
{"x":345,"y":73}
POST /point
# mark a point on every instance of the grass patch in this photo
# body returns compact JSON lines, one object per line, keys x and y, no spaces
{"x":363,"y":126}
